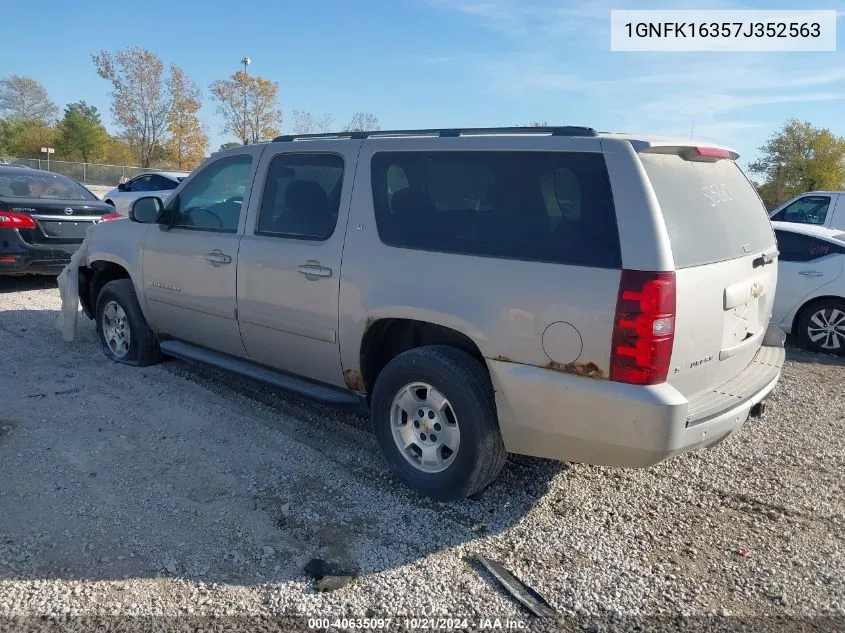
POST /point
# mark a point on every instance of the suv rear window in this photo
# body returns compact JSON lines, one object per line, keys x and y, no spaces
{"x":711,"y":210}
{"x":552,"y":207}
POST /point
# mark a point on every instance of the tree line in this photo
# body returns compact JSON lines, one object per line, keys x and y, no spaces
{"x":799,"y":157}
{"x":156,"y":112}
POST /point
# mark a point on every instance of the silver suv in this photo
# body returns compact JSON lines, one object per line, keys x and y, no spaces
{"x":554,"y":292}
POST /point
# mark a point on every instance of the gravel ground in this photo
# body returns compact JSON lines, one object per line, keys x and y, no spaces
{"x":179,"y":491}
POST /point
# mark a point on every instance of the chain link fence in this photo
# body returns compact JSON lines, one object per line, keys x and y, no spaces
{"x":88,"y":173}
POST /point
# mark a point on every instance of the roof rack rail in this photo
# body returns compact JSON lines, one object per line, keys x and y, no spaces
{"x":566,"y":130}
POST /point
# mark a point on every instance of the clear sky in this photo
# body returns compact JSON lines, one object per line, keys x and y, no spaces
{"x":449,"y":63}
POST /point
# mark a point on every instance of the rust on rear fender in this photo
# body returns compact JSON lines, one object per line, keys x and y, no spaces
{"x":590,"y":370}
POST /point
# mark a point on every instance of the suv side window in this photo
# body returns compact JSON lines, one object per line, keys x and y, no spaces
{"x":806,"y":210}
{"x":552,"y":207}
{"x":213,"y":199}
{"x":301,"y":198}
{"x":795,"y":247}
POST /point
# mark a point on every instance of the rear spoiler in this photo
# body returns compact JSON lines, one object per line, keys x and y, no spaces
{"x":697,"y":153}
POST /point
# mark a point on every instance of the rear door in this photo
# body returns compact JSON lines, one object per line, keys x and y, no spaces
{"x":725,"y":258}
{"x":290,"y":256}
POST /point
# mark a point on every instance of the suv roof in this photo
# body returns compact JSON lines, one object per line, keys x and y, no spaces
{"x":566,"y":130}
{"x":639,"y":142}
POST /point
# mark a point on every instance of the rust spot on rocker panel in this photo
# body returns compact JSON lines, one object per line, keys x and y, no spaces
{"x":590,"y":370}
{"x":504,"y":359}
{"x":354,"y":380}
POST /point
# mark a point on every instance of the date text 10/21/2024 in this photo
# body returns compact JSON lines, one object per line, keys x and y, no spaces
{"x":421,"y":624}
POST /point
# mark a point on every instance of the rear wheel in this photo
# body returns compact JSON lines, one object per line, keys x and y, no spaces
{"x":121,"y":326}
{"x":821,"y":326}
{"x":435,"y":421}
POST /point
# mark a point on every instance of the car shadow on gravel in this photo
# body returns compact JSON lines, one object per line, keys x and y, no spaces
{"x":27,"y":282}
{"x":176,"y":470}
{"x":798,"y":354}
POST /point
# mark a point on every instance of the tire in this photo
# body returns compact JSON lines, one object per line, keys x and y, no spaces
{"x":812,"y":324}
{"x":119,"y":318}
{"x":425,"y":376}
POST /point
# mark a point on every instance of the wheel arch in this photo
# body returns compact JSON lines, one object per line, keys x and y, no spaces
{"x":93,"y":277}
{"x":386,"y":337}
{"x":799,"y":312}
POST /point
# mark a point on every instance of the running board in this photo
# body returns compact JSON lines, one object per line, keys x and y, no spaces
{"x":326,"y":394}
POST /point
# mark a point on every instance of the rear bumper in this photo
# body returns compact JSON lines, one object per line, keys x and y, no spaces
{"x":573,"y":418}
{"x":20,"y":258}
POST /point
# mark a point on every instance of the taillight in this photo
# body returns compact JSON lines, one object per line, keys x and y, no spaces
{"x":9,"y":220}
{"x":111,"y":216}
{"x":644,"y":328}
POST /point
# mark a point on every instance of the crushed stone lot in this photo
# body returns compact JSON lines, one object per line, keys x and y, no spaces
{"x":180,"y":491}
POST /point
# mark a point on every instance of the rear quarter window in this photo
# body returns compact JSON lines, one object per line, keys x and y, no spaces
{"x":711,"y":211}
{"x":554,"y":207}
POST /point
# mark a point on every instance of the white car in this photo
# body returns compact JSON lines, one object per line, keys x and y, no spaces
{"x":810,"y":297}
{"x":153,"y":183}
{"x":816,"y":208}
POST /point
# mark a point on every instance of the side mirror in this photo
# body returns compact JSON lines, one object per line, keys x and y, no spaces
{"x":121,"y":186}
{"x":146,"y":210}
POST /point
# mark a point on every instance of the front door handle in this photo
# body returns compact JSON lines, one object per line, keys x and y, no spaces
{"x":811,"y":273}
{"x":218,"y":257}
{"x":312,"y":270}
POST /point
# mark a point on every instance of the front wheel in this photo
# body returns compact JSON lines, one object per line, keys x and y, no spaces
{"x":821,"y":326}
{"x":434,"y":417}
{"x":121,"y":326}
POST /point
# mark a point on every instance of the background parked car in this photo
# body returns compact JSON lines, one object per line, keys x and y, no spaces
{"x":818,"y":208}
{"x":810,"y":297}
{"x":43,"y":219}
{"x":158,"y":183}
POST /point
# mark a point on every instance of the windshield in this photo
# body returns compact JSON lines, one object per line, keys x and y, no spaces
{"x":42,"y":185}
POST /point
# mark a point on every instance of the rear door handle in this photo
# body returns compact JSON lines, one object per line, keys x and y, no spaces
{"x":218,"y":257}
{"x":811,"y":273}
{"x":314,"y":270}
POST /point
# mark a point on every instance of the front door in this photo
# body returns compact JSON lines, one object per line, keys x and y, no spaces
{"x":190,"y":266}
{"x":289,"y":259}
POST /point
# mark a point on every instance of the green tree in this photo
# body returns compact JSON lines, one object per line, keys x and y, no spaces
{"x":119,"y":151}
{"x":798,"y":158}
{"x":25,"y":138}
{"x":229,"y":145}
{"x":81,"y":135}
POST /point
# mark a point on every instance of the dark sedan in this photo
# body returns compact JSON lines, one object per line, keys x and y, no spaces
{"x":43,"y":220}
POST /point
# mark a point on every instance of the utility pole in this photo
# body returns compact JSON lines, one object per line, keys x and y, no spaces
{"x":245,"y":62}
